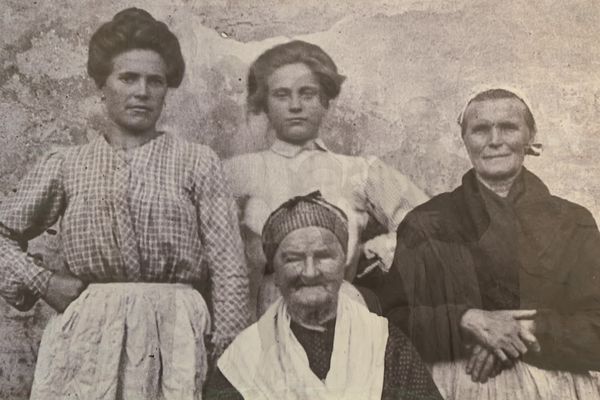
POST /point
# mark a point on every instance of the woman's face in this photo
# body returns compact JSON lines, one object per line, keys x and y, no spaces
{"x":309,"y":268}
{"x":496,"y":137}
{"x":135,"y":90}
{"x":294,"y":103}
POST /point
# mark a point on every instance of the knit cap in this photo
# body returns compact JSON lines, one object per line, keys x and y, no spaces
{"x":301,"y":212}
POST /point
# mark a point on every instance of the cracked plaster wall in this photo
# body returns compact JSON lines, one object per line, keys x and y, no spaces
{"x":410,"y":66}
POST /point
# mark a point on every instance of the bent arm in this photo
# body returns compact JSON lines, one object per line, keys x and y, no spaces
{"x":220,"y":236}
{"x":25,"y":213}
{"x":390,"y":196}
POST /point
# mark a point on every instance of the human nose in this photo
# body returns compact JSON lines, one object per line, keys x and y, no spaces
{"x":310,"y":270}
{"x":141,"y":89}
{"x":295,"y":105}
{"x":496,"y":137}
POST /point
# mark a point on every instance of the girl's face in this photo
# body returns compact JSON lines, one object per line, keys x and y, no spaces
{"x":294,"y":105}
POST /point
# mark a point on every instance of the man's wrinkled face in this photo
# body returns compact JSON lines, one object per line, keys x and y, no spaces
{"x":309,"y":268}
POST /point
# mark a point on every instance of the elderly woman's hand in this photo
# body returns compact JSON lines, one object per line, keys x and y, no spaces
{"x":62,"y":290}
{"x":501,"y":332}
{"x":483,"y":364}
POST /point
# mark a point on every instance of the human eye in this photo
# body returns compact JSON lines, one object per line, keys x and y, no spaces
{"x":291,"y":258}
{"x":508,"y":126}
{"x":280,"y":94}
{"x":157,"y":81}
{"x":309,"y":93}
{"x":127,"y":78}
{"x":479,"y":129}
{"x":324,"y":255}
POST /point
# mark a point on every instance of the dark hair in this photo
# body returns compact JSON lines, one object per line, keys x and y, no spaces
{"x":130,"y":29}
{"x":495,"y":94}
{"x":292,"y":52}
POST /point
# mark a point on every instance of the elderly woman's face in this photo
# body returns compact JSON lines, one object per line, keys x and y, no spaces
{"x":309,"y":268}
{"x":135,"y":90}
{"x":496,"y":137}
{"x":294,"y":104}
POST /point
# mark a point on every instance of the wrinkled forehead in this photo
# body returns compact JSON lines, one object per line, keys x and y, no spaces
{"x":495,"y":110}
{"x":309,"y":239}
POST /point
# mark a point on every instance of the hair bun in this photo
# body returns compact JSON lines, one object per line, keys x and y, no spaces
{"x":133,"y":13}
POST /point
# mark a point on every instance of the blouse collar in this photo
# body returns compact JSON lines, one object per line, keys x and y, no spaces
{"x":290,"y":150}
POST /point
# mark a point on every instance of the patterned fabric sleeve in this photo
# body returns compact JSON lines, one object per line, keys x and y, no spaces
{"x":220,"y":236}
{"x":406,"y":377}
{"x":25,"y":213}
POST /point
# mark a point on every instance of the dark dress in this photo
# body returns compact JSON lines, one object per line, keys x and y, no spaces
{"x":405,"y":376}
{"x":473,"y":249}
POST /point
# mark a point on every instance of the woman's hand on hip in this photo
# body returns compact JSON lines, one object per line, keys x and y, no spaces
{"x":62,"y":290}
{"x":501,"y":332}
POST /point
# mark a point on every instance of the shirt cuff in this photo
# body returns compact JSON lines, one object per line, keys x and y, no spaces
{"x":38,"y":282}
{"x":217,"y":345}
{"x":381,"y":248}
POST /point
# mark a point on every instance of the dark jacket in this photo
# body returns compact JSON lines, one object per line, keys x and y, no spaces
{"x":472,"y":249}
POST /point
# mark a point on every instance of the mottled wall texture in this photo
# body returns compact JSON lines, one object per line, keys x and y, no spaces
{"x":410,"y":65}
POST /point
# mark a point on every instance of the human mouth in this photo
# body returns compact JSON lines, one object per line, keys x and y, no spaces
{"x":307,"y":283}
{"x":295,"y":121}
{"x":489,"y":157}
{"x":139,"y":108}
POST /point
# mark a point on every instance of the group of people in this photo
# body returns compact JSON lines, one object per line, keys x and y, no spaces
{"x":189,"y":278}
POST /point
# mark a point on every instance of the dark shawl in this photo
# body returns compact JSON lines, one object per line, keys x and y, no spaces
{"x":473,"y":249}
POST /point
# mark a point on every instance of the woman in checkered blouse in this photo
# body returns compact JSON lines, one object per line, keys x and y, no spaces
{"x":144,"y":216}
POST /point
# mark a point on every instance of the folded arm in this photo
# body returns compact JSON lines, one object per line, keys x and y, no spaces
{"x":389,"y":195}
{"x":25,"y":213}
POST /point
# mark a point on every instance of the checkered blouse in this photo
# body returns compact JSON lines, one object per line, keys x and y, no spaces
{"x":161,"y":212}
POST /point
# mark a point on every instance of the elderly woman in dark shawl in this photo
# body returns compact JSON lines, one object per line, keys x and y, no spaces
{"x":145,"y":217}
{"x":500,"y":279}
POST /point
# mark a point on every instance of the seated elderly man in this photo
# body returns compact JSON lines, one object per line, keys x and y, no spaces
{"x":315,"y":342}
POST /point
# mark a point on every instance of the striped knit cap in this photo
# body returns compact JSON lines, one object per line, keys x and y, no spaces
{"x":301,"y":212}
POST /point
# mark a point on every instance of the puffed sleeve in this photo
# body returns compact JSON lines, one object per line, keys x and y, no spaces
{"x":25,"y":213}
{"x":220,"y":236}
{"x":389,"y":195}
{"x":245,"y":174}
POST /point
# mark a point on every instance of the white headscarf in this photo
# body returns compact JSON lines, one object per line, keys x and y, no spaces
{"x":535,"y":149}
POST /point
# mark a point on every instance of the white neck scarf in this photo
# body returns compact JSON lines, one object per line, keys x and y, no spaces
{"x":266,"y":361}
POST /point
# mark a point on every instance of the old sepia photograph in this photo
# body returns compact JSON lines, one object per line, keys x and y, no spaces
{"x":299,"y":200}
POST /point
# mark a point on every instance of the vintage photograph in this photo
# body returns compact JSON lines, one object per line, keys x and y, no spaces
{"x":273,"y":199}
